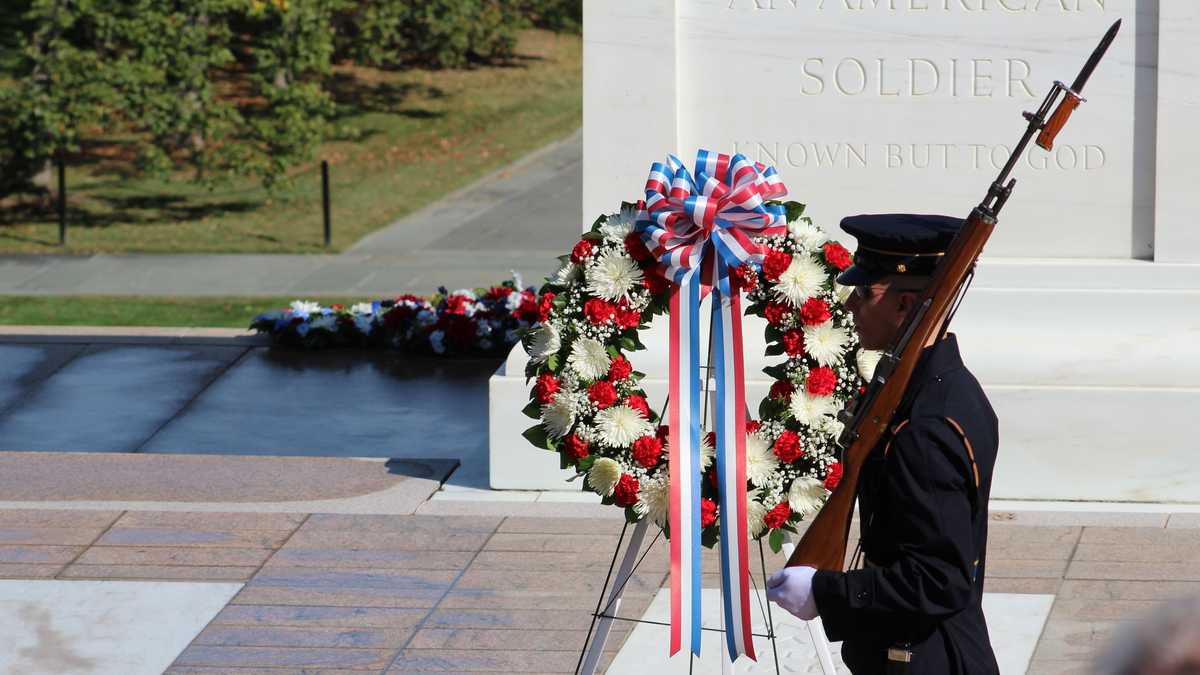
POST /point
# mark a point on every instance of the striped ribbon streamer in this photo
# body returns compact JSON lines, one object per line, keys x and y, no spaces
{"x":699,"y":227}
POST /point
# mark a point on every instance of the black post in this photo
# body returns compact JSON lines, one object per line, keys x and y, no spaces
{"x":325,"y":200}
{"x":62,"y":201}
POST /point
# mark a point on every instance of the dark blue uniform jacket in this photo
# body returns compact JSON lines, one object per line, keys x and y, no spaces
{"x":923,"y":514}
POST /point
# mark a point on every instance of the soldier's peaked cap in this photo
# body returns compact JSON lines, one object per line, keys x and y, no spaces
{"x":897,"y":244}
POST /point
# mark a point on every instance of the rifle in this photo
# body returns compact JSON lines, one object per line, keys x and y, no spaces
{"x":866,"y":419}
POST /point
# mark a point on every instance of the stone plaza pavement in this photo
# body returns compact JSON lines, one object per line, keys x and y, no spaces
{"x":380,"y":571}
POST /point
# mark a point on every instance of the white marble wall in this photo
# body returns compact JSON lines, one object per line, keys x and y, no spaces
{"x":908,"y":105}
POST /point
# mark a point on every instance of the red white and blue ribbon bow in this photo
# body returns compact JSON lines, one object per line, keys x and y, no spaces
{"x":699,"y":227}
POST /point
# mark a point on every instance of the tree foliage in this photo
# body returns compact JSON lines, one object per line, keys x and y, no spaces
{"x":219,"y":88}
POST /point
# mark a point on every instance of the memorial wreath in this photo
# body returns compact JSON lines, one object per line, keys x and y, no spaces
{"x":592,"y":410}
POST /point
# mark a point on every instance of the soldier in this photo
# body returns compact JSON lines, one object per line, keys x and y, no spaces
{"x":914,"y":605}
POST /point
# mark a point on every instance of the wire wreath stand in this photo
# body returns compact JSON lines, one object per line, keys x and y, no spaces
{"x":607,"y":612}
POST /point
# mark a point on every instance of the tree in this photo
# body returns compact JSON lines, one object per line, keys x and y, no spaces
{"x":225,"y":87}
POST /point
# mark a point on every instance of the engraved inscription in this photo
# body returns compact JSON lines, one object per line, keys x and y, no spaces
{"x":1006,"y":6}
{"x":916,"y":77}
{"x":946,"y":156}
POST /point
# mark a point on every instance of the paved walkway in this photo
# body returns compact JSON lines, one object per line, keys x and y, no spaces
{"x":519,"y":218}
{"x":494,"y":592}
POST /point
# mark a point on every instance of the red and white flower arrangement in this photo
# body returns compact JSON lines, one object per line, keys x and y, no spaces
{"x":590,"y":407}
{"x":485,"y":321}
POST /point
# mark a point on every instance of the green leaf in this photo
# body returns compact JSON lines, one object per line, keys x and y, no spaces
{"x":794,"y":210}
{"x":537,"y":435}
{"x":772,"y":350}
{"x":533,"y":410}
{"x":631,"y":516}
{"x":777,"y":371}
{"x":552,"y":362}
{"x":627,"y":343}
{"x":775,"y":541}
{"x":586,"y":463}
{"x":772,"y":333}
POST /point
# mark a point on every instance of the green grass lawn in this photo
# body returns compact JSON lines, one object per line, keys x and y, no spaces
{"x":183,"y":312}
{"x":419,"y":134}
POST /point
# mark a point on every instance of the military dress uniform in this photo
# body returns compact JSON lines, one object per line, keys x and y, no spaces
{"x":923,"y":496}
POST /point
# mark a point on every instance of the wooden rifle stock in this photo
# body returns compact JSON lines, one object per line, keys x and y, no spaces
{"x":823,"y":545}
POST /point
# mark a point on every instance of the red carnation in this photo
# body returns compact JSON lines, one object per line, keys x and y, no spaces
{"x":711,"y":439}
{"x":663,"y":433}
{"x":775,"y":263}
{"x":708,"y":512}
{"x":499,"y":292}
{"x":639,"y":404}
{"x":814,"y":311}
{"x":625,"y":491}
{"x":619,"y":369}
{"x":753,"y":426}
{"x":457,"y":304}
{"x":782,"y":389}
{"x":547,"y":386}
{"x":545,"y":305}
{"x":837,"y":255}
{"x":603,"y":394}
{"x":745,"y":278}
{"x":793,"y":342}
{"x":821,"y":381}
{"x":581,"y":251}
{"x":336,"y":307}
{"x":626,"y":317}
{"x":655,"y":283}
{"x":787,"y":446}
{"x":599,"y":311}
{"x":777,"y":313}
{"x":528,"y":309}
{"x":575,"y":447}
{"x":778,"y":516}
{"x":636,"y":248}
{"x":647,"y":450}
{"x":834,"y":476}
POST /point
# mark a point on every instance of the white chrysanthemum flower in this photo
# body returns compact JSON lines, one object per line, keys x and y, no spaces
{"x":708,"y":454}
{"x":304,"y":307}
{"x":801,"y":280}
{"x":621,"y":425}
{"x":603,"y":476}
{"x":842,"y":293}
{"x":756,"y":514}
{"x":809,"y":236}
{"x":761,"y":463}
{"x":613,"y":276}
{"x":362,"y":308}
{"x":546,"y":343}
{"x":559,"y":415}
{"x":654,"y":499}
{"x":806,"y":495}
{"x":830,"y":426}
{"x":808,"y":409}
{"x":825,"y":342}
{"x":866,"y":361}
{"x":567,"y":273}
{"x":618,"y":225}
{"x":589,"y":359}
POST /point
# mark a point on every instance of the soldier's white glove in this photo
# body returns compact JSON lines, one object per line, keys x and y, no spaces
{"x":791,"y":589}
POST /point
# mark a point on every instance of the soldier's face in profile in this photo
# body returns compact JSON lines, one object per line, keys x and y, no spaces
{"x":879,"y":312}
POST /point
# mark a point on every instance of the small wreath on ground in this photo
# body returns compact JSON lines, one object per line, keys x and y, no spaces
{"x":591,"y":409}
